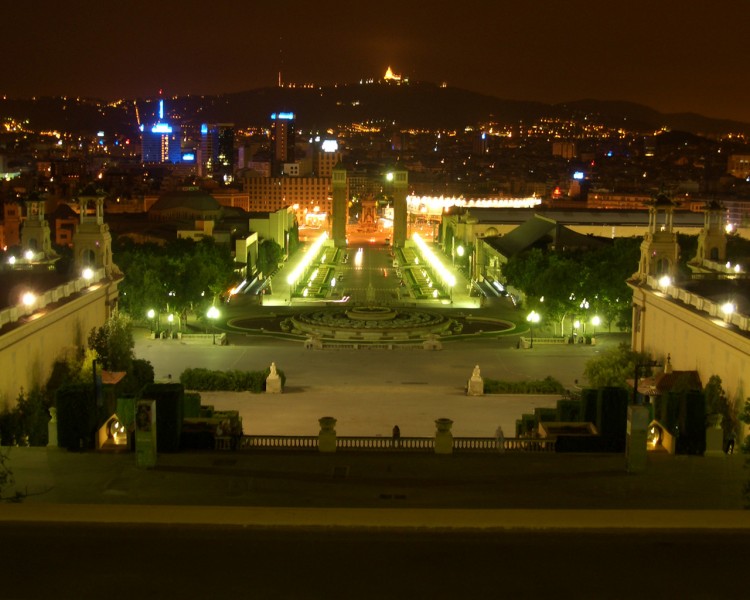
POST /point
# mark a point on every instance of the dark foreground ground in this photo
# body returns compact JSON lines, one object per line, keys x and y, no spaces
{"x":177,"y":561}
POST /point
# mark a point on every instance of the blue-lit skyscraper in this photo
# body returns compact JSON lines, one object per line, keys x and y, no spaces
{"x":160,"y":141}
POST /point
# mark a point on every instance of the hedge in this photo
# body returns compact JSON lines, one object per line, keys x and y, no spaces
{"x":206,"y":380}
{"x":548,"y":385}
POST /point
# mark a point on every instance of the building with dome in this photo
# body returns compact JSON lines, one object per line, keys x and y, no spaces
{"x":186,"y":204}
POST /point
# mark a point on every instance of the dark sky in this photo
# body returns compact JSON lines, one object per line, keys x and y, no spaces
{"x":687,"y":55}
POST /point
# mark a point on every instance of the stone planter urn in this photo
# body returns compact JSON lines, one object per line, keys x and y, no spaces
{"x":443,"y":436}
{"x":714,"y":420}
{"x":327,"y":435}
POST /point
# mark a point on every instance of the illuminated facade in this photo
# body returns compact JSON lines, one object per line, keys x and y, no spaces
{"x":738,"y":165}
{"x":161,"y":141}
{"x":309,"y":195}
{"x":326,"y":158}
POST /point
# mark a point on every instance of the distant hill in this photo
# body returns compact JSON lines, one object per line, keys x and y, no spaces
{"x":640,"y":117}
{"x":417,"y":105}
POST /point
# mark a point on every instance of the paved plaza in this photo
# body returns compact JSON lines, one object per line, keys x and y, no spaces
{"x":369,"y":391}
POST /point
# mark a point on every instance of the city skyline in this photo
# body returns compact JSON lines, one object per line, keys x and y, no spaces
{"x":674,"y":57}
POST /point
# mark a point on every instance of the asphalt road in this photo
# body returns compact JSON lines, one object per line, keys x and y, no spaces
{"x":169,"y":561}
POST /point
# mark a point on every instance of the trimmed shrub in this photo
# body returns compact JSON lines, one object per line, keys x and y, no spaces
{"x":191,"y":405}
{"x":590,"y":406}
{"x":569,"y":411}
{"x":525,"y":425}
{"x":548,"y":385}
{"x":76,"y":416}
{"x":545,"y":415}
{"x":169,"y":406}
{"x":613,"y":416}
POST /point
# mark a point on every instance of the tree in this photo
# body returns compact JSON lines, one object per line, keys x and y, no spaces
{"x":614,"y":367}
{"x":113,"y":343}
{"x":293,"y":244}
{"x":718,"y":403}
{"x":180,"y":277}
{"x":269,"y":257}
{"x":6,"y":474}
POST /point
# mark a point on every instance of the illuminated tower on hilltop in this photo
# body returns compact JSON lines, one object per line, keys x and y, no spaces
{"x":160,"y":142}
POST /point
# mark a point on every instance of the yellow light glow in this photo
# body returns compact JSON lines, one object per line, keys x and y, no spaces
{"x":28,"y":298}
{"x":446,"y":276}
{"x":309,"y":256}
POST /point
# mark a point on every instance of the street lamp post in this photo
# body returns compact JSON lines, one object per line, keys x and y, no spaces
{"x":595,"y":322}
{"x":532,"y":318}
{"x":638,"y":367}
{"x":213,"y":314}
{"x":151,"y":314}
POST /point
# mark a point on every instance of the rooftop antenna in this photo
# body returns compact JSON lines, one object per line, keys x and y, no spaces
{"x":281,"y":57}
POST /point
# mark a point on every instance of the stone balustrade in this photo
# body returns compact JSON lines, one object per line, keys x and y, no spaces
{"x":16,"y":313}
{"x":387,"y":444}
{"x":526,"y":341}
{"x":713,"y":309}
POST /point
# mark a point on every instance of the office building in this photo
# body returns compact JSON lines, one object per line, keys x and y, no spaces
{"x":216,"y":158}
{"x":161,"y":141}
{"x":282,"y":134}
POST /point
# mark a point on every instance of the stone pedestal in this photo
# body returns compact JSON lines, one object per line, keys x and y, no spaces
{"x":327,"y":435}
{"x":714,"y":441}
{"x":52,"y":428}
{"x":273,"y":381}
{"x":475,"y":386}
{"x":443,"y":436}
{"x":432,"y":343}
{"x":313,"y":343}
{"x":635,"y":447}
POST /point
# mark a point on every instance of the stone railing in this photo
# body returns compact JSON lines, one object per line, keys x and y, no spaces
{"x":333,"y":345}
{"x":714,"y":309}
{"x":382,"y":444}
{"x":385,"y":443}
{"x":279,"y":442}
{"x":16,"y":313}
{"x":526,"y":341}
{"x":509,"y":445}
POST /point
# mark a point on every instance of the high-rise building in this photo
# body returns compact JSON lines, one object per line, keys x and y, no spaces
{"x":160,"y":141}
{"x":217,"y":151}
{"x":327,"y":157}
{"x":282,"y":131}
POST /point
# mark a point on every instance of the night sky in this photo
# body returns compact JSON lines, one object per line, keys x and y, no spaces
{"x":675,"y":56}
